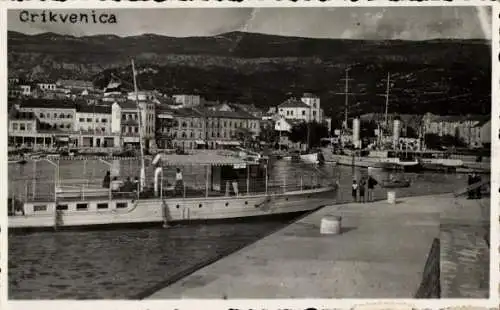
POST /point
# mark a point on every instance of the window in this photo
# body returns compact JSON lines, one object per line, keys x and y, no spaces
{"x":61,"y":207}
{"x":81,"y":206}
{"x":39,"y":208}
{"x":102,"y":206}
{"x":69,"y":116}
{"x":89,"y":120}
{"x":55,"y":115}
{"x":22,"y":127}
{"x":68,"y":126}
{"x":41,"y":115}
{"x":82,"y":120}
{"x":121,"y":205}
{"x":136,"y":129}
{"x":192,"y":134}
{"x":124,"y":116}
{"x":28,"y":127}
{"x":61,"y":115}
{"x":303,"y":112}
{"x":14,"y":126}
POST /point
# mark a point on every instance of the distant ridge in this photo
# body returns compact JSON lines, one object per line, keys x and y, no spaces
{"x":441,"y":76}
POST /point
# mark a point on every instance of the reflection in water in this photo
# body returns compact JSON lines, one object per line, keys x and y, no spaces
{"x":123,"y":263}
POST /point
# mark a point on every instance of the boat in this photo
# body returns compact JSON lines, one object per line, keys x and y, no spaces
{"x":82,"y":206}
{"x":163,"y":205}
{"x":307,"y":157}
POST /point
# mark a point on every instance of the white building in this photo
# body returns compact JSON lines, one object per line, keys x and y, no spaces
{"x":307,"y":109}
{"x":46,"y":86}
{"x":187,"y":100}
{"x":314,"y":104}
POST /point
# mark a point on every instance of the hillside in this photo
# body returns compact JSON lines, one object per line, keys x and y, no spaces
{"x":439,"y":76}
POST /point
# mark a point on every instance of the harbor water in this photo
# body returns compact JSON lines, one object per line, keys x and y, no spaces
{"x":128,"y":263}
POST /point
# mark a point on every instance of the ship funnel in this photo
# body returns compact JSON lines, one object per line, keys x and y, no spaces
{"x":158,"y":180}
{"x":355,"y":132}
{"x":396,"y":132}
{"x":156,"y":159}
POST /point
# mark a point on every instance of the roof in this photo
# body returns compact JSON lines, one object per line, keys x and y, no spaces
{"x":483,"y":122}
{"x":87,"y":108}
{"x":293,"y":103}
{"x":75,"y":83}
{"x":201,"y":158}
{"x":186,"y":112}
{"x":48,"y":103}
{"x":127,"y":104}
{"x":17,"y":115}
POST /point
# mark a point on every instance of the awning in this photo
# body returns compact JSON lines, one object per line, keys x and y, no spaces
{"x":200,"y":142}
{"x":167,"y":116}
{"x":229,"y":143}
{"x":62,"y":139}
{"x":131,"y":139}
{"x":202,"y":159}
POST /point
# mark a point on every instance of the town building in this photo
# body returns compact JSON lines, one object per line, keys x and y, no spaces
{"x":93,"y":123}
{"x":74,"y":84}
{"x":42,"y":123}
{"x":465,"y":127}
{"x":125,"y":121}
{"x":46,"y":85}
{"x":186,"y":100}
{"x":307,"y":109}
{"x":228,"y":126}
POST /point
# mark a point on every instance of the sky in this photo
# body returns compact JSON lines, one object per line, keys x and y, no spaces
{"x":405,"y":23}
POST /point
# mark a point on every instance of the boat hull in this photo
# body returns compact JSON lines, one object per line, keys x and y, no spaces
{"x":172,"y":210}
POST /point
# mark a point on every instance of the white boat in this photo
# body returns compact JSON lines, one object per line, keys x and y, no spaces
{"x":310,"y":158}
{"x":83,"y":207}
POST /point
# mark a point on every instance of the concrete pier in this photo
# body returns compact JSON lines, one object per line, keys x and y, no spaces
{"x":380,"y":253}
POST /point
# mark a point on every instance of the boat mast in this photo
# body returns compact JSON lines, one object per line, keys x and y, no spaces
{"x":383,"y":131}
{"x":346,"y":94}
{"x":387,"y":98}
{"x":142,"y":178}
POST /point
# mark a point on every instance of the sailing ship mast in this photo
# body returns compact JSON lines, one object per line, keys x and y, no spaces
{"x":385,"y":129}
{"x":346,"y":93}
{"x":142,"y":179}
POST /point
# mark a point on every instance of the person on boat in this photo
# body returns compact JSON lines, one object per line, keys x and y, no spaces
{"x":128,"y":186}
{"x":354,"y":191}
{"x":371,"y":185}
{"x":107,"y":180}
{"x":362,"y":184}
{"x":179,"y":182}
{"x":116,"y":184}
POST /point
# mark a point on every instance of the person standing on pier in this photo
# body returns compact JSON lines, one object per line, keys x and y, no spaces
{"x":354,"y":191}
{"x":107,"y":180}
{"x":362,"y":184}
{"x":371,"y":185}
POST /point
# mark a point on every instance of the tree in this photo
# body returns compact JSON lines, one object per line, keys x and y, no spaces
{"x":317,"y":131}
{"x":432,"y":141}
{"x":268,"y":134}
{"x":244,"y":135}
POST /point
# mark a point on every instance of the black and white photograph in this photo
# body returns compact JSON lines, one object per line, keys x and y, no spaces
{"x":250,"y":153}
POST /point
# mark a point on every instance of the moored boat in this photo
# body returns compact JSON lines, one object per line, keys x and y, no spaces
{"x":232,"y":189}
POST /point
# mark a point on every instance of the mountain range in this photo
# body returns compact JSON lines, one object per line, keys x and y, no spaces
{"x":437,"y":76}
